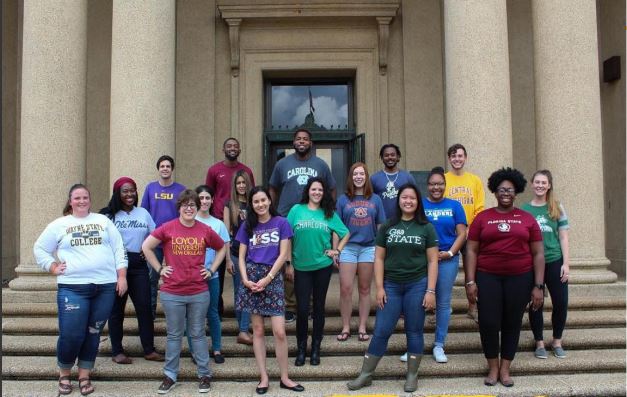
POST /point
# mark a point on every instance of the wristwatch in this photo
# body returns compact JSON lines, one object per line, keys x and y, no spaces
{"x":539,"y":286}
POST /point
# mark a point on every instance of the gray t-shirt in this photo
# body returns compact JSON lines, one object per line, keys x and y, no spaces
{"x":290,"y":175}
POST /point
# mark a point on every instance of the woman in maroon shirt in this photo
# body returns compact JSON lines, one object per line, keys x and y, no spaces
{"x":504,"y":268}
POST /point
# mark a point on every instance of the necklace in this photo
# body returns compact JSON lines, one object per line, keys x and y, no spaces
{"x":390,"y":183}
{"x":408,"y":223}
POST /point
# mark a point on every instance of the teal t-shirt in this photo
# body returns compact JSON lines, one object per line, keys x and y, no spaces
{"x":550,"y":229}
{"x":312,"y":236}
{"x":406,"y":246}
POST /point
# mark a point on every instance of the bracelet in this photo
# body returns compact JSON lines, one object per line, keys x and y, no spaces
{"x":271,"y":276}
{"x":468,"y":284}
{"x":450,"y":253}
{"x":210,"y":273}
{"x":431,"y":291}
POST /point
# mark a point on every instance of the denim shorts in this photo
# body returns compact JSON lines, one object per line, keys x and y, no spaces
{"x":355,"y":253}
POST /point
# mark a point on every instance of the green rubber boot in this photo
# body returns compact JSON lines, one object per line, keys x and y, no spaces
{"x":411,"y":379}
{"x":365,"y":377}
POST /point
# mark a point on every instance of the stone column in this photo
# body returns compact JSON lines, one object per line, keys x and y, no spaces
{"x":142,"y":87}
{"x":568,"y":119}
{"x":52,"y":141}
{"x":478,"y":112}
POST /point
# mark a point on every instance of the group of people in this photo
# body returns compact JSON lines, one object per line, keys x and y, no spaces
{"x":281,"y":243}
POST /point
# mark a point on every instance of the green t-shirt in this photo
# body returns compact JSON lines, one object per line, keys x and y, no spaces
{"x":406,"y":246}
{"x":550,"y":229}
{"x":312,"y":236}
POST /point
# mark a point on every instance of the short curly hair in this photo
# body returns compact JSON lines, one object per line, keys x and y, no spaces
{"x":507,"y":174}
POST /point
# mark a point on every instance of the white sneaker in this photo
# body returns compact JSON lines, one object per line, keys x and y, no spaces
{"x":438,"y":355}
{"x":404,"y":357}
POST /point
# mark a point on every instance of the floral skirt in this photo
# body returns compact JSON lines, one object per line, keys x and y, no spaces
{"x":270,"y":301}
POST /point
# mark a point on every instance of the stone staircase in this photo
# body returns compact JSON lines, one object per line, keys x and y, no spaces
{"x":594,"y":340}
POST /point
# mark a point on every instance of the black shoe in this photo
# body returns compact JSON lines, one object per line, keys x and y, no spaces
{"x":218,"y":358}
{"x":167,"y":385}
{"x":301,"y":354}
{"x":315,"y":353}
{"x":261,"y":390}
{"x":293,"y":388}
{"x":290,"y":317}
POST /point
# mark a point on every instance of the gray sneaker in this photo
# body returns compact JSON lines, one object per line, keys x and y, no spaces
{"x":559,"y":352}
{"x":438,"y":355}
{"x":204,"y":385}
{"x":541,"y":353}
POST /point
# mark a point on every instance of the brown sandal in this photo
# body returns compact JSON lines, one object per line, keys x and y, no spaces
{"x":85,"y":388}
{"x":65,"y":388}
{"x":364,"y":337}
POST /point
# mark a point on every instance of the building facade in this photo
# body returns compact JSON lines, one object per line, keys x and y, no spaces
{"x":97,"y":89}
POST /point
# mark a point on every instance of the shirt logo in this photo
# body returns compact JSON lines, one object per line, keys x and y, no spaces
{"x":504,"y":227}
{"x":361,"y":212}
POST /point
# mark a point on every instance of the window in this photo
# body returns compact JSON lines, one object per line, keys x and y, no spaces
{"x":315,"y":104}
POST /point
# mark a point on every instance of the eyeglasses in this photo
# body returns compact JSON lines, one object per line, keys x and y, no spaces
{"x":508,"y":190}
{"x":191,"y":206}
{"x":436,"y":184}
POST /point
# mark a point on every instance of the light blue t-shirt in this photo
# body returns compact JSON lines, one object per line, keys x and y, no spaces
{"x":386,"y":186}
{"x":361,"y":216}
{"x":134,"y":227}
{"x":445,"y":215}
{"x":218,"y":227}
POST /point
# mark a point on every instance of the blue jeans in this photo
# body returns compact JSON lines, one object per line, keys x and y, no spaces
{"x":447,"y":271}
{"x":213,"y":318}
{"x":403,"y":299}
{"x":243,"y":318}
{"x":154,"y":282}
{"x":181,"y":312}
{"x":83,"y":311}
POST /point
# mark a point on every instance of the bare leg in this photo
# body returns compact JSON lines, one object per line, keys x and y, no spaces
{"x":556,"y":343}
{"x":280,"y":346}
{"x":83,"y":373}
{"x":364,"y":271}
{"x":259,"y":347}
{"x":65,"y":372}
{"x":347,"y":278}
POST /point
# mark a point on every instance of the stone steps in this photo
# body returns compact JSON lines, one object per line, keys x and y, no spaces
{"x":577,"y":290}
{"x":594,"y":339}
{"x":555,"y":385}
{"x":459,"y":322}
{"x":244,"y":369}
{"x":457,"y":342}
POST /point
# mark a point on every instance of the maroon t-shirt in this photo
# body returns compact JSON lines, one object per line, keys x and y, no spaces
{"x":219,"y":176}
{"x":504,"y":241}
{"x":184,"y":249}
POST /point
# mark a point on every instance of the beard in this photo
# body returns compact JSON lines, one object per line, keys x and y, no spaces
{"x":231,"y":157}
{"x":302,"y":152}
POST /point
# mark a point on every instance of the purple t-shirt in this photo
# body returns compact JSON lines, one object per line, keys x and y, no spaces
{"x":160,"y":201}
{"x":264,"y":245}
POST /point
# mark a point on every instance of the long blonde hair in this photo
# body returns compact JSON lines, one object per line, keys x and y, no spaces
{"x":234,"y":202}
{"x":553,"y":204}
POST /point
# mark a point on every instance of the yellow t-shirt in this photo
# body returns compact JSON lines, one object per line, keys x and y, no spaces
{"x":468,"y":190}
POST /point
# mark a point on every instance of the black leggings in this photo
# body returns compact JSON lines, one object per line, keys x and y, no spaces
{"x":306,"y":283}
{"x":502,"y":302}
{"x":559,"y":298}
{"x":139,"y":291}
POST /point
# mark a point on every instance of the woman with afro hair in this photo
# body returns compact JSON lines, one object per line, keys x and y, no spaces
{"x":505,"y":270}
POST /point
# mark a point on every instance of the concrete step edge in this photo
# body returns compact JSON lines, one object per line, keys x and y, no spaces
{"x":562,"y":385}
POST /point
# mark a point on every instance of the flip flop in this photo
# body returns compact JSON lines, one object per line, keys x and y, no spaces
{"x":343,"y":336}
{"x":363,"y":337}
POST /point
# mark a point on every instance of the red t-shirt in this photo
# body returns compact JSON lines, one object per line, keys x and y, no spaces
{"x":504,"y":241}
{"x":184,"y":249}
{"x":219,"y":176}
